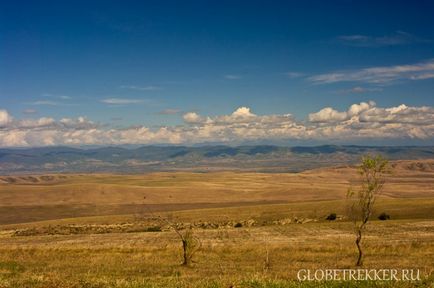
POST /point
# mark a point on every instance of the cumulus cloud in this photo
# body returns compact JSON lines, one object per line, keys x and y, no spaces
{"x":43,"y":131}
{"x":5,"y":117}
{"x":243,"y":112}
{"x":360,"y":121}
{"x":401,"y":114}
{"x":41,"y":122}
{"x":240,"y":115}
{"x":367,"y":121}
{"x":192,"y":117}
{"x":356,"y":109}
{"x":379,"y":75}
{"x":79,"y":123}
{"x":329,"y":115}
{"x":14,"y":138}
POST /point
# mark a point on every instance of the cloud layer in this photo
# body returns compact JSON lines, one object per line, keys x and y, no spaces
{"x":362,"y":121}
{"x":397,"y":38}
{"x":379,"y":75}
{"x":121,"y":101}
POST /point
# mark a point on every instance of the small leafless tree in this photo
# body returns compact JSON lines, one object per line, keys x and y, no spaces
{"x":190,"y":243}
{"x":372,"y":171}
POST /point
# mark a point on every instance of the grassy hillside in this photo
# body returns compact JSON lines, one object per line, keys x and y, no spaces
{"x":102,"y":230}
{"x":228,"y":256}
{"x":42,"y":197}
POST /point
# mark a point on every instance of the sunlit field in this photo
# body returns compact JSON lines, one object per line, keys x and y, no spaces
{"x":56,"y":238}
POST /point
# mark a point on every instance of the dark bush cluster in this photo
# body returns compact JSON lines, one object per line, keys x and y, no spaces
{"x":153,"y":229}
{"x":331,"y":217}
{"x":384,"y":216}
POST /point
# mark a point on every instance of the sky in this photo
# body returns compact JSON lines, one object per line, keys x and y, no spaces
{"x":233,"y":72}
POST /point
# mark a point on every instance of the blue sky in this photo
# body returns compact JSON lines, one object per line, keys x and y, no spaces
{"x":147,"y":63}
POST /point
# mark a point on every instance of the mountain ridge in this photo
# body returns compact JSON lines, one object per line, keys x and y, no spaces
{"x":262,"y":158}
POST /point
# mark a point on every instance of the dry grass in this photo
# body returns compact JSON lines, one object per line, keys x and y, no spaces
{"x":228,"y":256}
{"x":74,"y":195}
{"x":130,"y":257}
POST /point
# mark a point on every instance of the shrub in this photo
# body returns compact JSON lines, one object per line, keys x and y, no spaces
{"x":331,"y":217}
{"x":384,"y":216}
{"x":190,"y":245}
{"x":153,"y":229}
{"x":238,"y":225}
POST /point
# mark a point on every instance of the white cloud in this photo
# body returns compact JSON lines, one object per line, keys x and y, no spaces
{"x":41,"y":122}
{"x":401,"y":114}
{"x":14,"y":138}
{"x":379,"y":75}
{"x":327,"y":114}
{"x":356,"y":109}
{"x":44,"y":102}
{"x":121,"y":101}
{"x":5,"y":117}
{"x":192,"y":117}
{"x":80,"y":123}
{"x":240,"y":115}
{"x":243,"y":112}
{"x":366,"y":121}
{"x":362,"y":121}
{"x":330,"y":115}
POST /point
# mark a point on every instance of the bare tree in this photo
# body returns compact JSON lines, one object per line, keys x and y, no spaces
{"x":372,"y":171}
{"x":190,"y":243}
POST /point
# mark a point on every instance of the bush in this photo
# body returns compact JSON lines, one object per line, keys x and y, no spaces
{"x":384,"y":216}
{"x":331,"y":217}
{"x":238,"y":225}
{"x":153,"y":229}
{"x":190,"y":245}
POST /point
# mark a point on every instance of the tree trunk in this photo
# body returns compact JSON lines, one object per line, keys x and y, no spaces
{"x":358,"y":240}
{"x":186,"y":261}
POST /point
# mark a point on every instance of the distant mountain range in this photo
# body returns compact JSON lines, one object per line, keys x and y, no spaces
{"x":263,"y":158}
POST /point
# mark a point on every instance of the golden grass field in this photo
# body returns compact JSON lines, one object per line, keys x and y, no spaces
{"x":92,"y":230}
